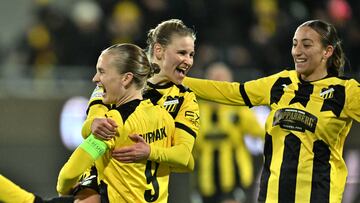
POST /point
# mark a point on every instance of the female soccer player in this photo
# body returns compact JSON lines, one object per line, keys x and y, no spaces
{"x":171,"y":46}
{"x":122,"y":71}
{"x":312,"y":109}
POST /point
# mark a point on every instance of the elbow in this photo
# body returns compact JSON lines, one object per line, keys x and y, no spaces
{"x":60,"y":186}
{"x":65,"y":181}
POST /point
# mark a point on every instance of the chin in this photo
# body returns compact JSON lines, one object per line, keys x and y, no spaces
{"x":106,"y":101}
{"x":300,"y":70}
{"x":177,"y":82}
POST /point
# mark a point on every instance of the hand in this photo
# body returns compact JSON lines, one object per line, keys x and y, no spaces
{"x":134,"y":153}
{"x":104,"y":128}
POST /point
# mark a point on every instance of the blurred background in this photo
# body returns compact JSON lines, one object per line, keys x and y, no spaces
{"x":49,"y":49}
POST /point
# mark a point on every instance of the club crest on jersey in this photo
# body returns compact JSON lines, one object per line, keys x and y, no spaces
{"x":171,"y":103}
{"x":327,"y":93}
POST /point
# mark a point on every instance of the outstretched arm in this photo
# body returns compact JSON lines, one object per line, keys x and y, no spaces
{"x":216,"y":91}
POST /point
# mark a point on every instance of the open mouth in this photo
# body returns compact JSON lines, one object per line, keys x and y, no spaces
{"x":104,"y":90}
{"x":181,"y":71}
{"x":300,"y":60}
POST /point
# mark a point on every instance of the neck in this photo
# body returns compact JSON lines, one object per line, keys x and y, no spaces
{"x":313,"y":77}
{"x":159,"y":79}
{"x":317,"y":74}
{"x":129,"y":97}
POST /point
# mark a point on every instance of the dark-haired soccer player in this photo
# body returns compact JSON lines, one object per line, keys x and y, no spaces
{"x":312,"y":109}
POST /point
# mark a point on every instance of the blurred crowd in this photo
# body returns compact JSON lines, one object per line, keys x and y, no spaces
{"x":246,"y":34}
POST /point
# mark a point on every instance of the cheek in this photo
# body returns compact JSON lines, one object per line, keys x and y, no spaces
{"x":292,"y":52}
{"x":172,"y":59}
{"x":316,"y":57}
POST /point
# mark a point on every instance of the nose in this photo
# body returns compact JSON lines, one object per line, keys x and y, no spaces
{"x":296,"y":50}
{"x":95,"y":79}
{"x":188,"y":60}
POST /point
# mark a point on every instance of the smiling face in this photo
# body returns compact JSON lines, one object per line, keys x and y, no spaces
{"x":175,"y":59}
{"x":109,"y":79}
{"x":309,"y":54}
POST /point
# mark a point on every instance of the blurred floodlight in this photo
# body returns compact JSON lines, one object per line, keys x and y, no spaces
{"x":72,"y":116}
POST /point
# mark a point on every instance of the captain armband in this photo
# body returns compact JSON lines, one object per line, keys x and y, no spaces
{"x":94,"y":146}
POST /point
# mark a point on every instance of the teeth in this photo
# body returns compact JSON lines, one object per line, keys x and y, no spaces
{"x":300,"y":60}
{"x":181,"y":70}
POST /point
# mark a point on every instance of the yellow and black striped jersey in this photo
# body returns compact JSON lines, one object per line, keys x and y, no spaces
{"x":145,"y":181}
{"x":305,"y":131}
{"x":223,"y":160}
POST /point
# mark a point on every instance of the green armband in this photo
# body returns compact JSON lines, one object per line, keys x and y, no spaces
{"x":94,"y":146}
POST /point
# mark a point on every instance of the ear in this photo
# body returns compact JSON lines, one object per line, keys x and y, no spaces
{"x":158,"y":51}
{"x":127,"y":79}
{"x":329,"y":50}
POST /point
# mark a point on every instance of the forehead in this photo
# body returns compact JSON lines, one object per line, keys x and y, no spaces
{"x":182,"y":42}
{"x":103,"y":60}
{"x":306,"y":33}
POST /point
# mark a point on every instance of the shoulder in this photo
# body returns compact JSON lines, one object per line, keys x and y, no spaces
{"x":128,"y":108}
{"x":183,"y":89}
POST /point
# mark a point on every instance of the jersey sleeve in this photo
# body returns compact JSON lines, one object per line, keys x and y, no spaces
{"x":10,"y":192}
{"x":353,"y":100}
{"x":179,"y":156}
{"x":217,"y":91}
{"x":251,"y":93}
{"x":96,"y":109}
{"x":69,"y":175}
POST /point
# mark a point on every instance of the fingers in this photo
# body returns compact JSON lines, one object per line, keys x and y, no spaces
{"x":125,"y":154}
{"x":136,"y":138}
{"x":126,"y":159}
{"x":103,"y":135}
{"x":123,"y":150}
{"x":104,"y":128}
{"x":112,"y":122}
{"x":133,"y":153}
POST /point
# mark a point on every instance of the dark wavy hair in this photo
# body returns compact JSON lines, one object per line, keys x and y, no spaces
{"x":329,"y":36}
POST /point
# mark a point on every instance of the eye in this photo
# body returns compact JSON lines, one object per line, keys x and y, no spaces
{"x":182,"y":52}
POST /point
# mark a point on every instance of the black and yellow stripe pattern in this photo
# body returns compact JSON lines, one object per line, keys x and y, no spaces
{"x":305,"y":131}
